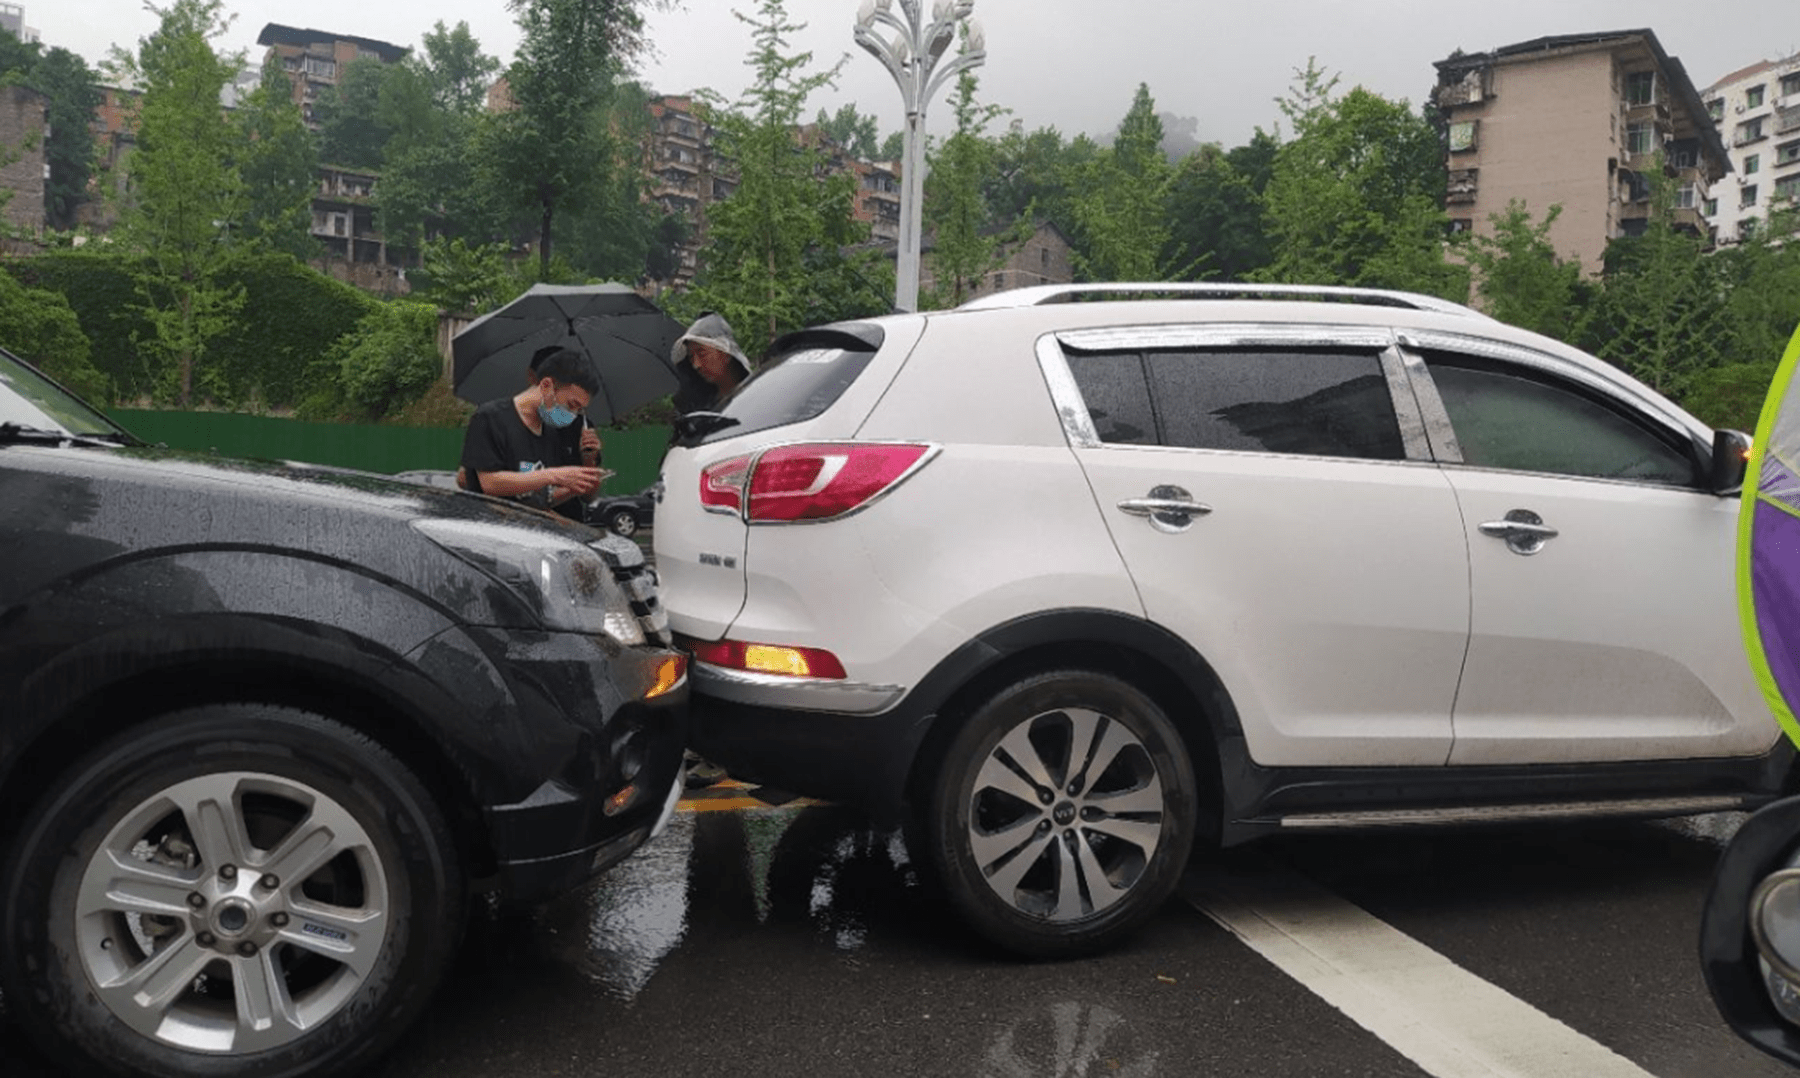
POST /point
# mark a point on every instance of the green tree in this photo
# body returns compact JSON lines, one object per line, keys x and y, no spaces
{"x":72,"y":91}
{"x":457,"y":71}
{"x":1355,"y":198}
{"x":1662,"y":315}
{"x":774,"y":258}
{"x":1519,"y":278}
{"x":852,"y":130}
{"x":1216,"y":210}
{"x":352,"y":124}
{"x":185,"y":190}
{"x":556,"y":149}
{"x":1034,"y":175}
{"x":1120,"y":204}
{"x":278,"y":163}
{"x":1730,"y":396}
{"x":467,"y":278}
{"x":964,"y":248}
{"x":1762,"y":282}
{"x":893,"y":148}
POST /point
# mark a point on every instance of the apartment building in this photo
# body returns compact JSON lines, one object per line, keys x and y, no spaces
{"x":315,"y":59}
{"x":12,"y":20}
{"x":686,"y":174}
{"x":1581,"y":121}
{"x":1756,"y":112}
{"x":353,"y":250}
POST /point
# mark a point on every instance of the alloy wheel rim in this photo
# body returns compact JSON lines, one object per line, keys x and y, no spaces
{"x":231,"y":913}
{"x":1065,"y":814}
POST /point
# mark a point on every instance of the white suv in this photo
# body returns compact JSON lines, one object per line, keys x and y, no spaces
{"x":1069,"y":585}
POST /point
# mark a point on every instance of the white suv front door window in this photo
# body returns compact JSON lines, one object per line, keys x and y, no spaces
{"x":1274,"y":511}
{"x":1573,"y":654}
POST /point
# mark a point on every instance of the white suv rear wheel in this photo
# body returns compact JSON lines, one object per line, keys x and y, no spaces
{"x":1063,"y":813}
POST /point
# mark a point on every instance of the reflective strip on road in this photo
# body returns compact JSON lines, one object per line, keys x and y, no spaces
{"x":730,"y":795}
{"x":1450,"y":1022}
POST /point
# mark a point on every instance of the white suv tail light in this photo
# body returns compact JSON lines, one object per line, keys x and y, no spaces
{"x":809,"y":481}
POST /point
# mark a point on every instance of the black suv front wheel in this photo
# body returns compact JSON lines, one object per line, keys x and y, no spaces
{"x":242,"y":890}
{"x":1063,"y":813}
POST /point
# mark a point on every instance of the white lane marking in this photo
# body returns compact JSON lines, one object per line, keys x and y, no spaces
{"x":1450,"y":1022}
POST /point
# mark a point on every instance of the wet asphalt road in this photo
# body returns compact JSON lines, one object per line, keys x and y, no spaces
{"x":797,"y":941}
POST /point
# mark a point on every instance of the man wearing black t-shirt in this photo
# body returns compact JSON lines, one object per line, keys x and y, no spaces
{"x":518,"y":447}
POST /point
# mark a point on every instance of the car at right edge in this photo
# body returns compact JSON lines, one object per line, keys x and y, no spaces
{"x":1073,"y":577}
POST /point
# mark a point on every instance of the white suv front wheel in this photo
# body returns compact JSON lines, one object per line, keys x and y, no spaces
{"x":1063,"y":813}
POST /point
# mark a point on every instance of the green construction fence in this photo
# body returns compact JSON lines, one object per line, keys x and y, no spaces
{"x":636,"y":455}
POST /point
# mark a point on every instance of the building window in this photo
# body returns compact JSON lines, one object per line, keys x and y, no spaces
{"x":1684,"y":196}
{"x":1753,"y":97}
{"x":1715,"y":109}
{"x":325,"y":69}
{"x":1749,"y":131}
{"x":1790,"y":84}
{"x":1747,"y":228}
{"x":1787,"y":153}
{"x":1640,"y":87}
{"x":1710,"y":207}
{"x":1752,"y":163}
{"x":1747,"y":197}
{"x":1788,"y":188}
{"x":1638,"y":138}
{"x":1462,"y":136}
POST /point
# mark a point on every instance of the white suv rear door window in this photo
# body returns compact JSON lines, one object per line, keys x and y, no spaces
{"x":1318,"y":403}
{"x":1615,"y":638}
{"x":1265,"y":502}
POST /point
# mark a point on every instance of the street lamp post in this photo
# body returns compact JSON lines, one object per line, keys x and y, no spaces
{"x":912,"y":56}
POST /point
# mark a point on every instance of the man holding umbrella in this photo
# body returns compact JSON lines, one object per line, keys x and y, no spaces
{"x":516,"y":447}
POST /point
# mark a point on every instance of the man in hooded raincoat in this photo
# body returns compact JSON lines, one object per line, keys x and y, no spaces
{"x":709,"y":363}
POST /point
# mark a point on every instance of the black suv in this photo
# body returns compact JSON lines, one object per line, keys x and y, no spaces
{"x":264,"y":728}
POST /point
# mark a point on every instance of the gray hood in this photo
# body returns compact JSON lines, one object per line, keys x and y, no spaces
{"x":712,"y":330}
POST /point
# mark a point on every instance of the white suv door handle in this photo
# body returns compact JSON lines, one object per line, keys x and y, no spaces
{"x":1524,"y":531}
{"x":1168,"y":508}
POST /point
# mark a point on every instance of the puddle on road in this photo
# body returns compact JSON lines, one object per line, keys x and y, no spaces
{"x":1712,"y":828}
{"x":1068,"y":1040}
{"x":820,"y":868}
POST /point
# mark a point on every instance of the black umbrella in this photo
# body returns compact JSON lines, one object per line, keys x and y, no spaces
{"x":625,"y":336}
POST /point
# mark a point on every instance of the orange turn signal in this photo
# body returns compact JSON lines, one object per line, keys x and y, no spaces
{"x":669,"y":671}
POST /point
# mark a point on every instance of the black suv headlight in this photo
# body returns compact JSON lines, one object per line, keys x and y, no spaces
{"x":568,"y":584}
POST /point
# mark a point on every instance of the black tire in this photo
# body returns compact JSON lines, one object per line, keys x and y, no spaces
{"x":354,"y":941}
{"x":622,"y":522}
{"x":1004,"y":844}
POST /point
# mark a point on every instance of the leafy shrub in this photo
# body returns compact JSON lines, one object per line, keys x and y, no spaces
{"x":389,"y":360}
{"x":39,"y":326}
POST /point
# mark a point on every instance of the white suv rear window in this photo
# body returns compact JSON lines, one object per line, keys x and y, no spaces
{"x":792,"y":387}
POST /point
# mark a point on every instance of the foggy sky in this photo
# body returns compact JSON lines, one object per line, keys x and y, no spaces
{"x":1071,"y":64}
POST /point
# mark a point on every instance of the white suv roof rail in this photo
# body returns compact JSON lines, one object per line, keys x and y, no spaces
{"x":1058,"y":293}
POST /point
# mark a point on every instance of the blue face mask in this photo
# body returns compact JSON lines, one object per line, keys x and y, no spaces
{"x":558,"y":417}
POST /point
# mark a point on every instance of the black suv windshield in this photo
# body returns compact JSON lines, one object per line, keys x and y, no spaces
{"x":804,"y":375}
{"x":29,"y":400}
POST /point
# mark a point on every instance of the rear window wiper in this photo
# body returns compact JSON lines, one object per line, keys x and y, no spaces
{"x":700,"y":424}
{"x":20,"y":434}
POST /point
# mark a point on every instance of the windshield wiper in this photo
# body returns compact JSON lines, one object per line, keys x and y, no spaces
{"x":20,"y":434}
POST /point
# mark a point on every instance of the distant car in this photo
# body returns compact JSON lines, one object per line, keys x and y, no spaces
{"x":431,"y":477}
{"x":624,"y":514}
{"x":1226,"y":561}
{"x":621,"y":514}
{"x":264,"y":728}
